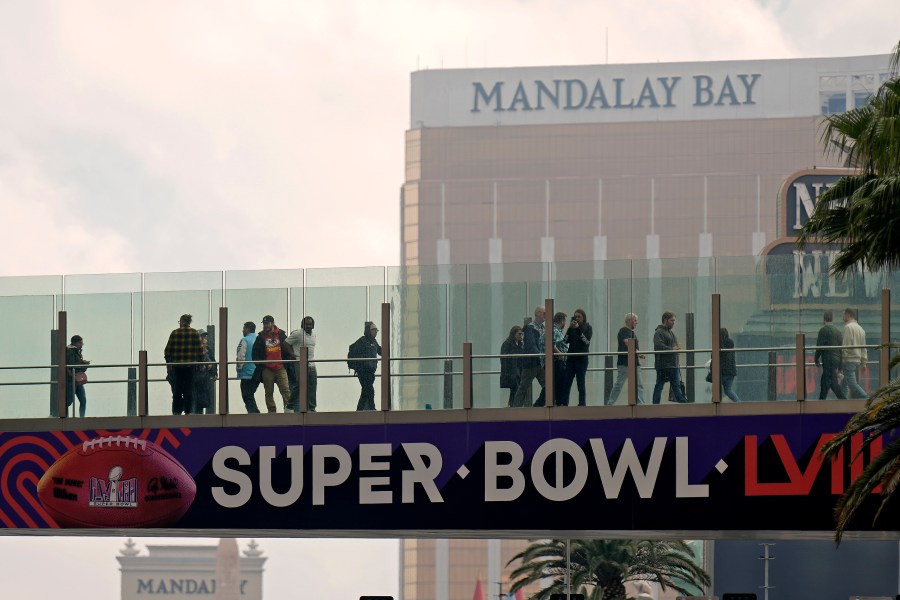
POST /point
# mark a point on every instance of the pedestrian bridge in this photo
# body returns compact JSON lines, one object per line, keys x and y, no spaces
{"x":442,"y":453}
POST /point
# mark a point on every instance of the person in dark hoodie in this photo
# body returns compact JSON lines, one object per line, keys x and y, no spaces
{"x":366,"y":347}
{"x":666,"y":345}
{"x":270,"y":346}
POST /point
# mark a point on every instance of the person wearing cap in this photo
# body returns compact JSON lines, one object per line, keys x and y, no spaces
{"x":73,"y":388}
{"x":204,"y":375}
{"x":245,"y":369}
{"x":270,"y":347}
{"x":184,"y":346}
{"x":299,"y":338}
{"x":366,"y":347}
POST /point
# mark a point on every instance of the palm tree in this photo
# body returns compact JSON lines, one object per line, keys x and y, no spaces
{"x":881,"y":415}
{"x":862,"y":214}
{"x":600,"y":568}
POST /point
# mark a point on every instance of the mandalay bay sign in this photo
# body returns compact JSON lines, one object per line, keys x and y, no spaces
{"x":614,"y":93}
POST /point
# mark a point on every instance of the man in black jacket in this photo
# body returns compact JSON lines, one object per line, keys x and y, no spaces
{"x":366,"y":347}
{"x":531,"y":365}
{"x":665,"y":342}
{"x":828,"y":359}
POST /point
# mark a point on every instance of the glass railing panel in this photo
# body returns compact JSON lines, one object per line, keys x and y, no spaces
{"x":429,"y":318}
{"x":580,"y":286}
{"x":95,"y":317}
{"x":661,"y":286}
{"x":30,"y":321}
{"x":166,"y":297}
{"x":96,"y":305}
{"x":340,"y":301}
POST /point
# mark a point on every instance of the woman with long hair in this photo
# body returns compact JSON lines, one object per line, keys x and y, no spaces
{"x":509,"y":365}
{"x":727,"y":365}
{"x":578,"y":337}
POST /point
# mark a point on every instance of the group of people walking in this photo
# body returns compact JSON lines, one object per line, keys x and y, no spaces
{"x":187,"y":346}
{"x":269,"y":358}
{"x":570,"y":359}
{"x":841,"y":355}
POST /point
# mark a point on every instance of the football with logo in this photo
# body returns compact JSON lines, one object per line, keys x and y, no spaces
{"x":116,"y":482}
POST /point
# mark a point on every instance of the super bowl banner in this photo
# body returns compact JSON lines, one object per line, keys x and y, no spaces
{"x":730,"y":474}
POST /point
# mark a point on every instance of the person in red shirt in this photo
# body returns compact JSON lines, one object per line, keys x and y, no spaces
{"x":270,"y":346}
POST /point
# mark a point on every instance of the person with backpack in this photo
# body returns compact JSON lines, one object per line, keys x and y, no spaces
{"x":366,"y":347}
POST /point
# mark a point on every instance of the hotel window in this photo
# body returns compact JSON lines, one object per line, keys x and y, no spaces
{"x":863,"y":88}
{"x":833,"y":94}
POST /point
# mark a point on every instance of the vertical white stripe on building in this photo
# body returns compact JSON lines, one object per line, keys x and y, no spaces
{"x":547,"y":245}
{"x":441,"y":569}
{"x":494,"y":568}
{"x":652,"y":239}
{"x":759,"y":236}
{"x":599,"y":239}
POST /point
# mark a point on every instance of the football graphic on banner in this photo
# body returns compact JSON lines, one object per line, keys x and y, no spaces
{"x":116,"y":482}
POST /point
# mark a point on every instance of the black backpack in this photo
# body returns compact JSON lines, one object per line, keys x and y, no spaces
{"x":353,"y":351}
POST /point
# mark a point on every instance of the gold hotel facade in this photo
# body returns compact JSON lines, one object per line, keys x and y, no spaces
{"x":603,"y":162}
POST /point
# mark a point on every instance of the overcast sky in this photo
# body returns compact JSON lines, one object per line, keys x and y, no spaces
{"x":221,"y":134}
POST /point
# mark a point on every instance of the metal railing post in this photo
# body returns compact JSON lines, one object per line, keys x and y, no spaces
{"x":61,"y":391}
{"x":632,"y":371}
{"x":303,"y":378}
{"x":385,"y":356}
{"x":800,"y":362}
{"x":715,"y":365}
{"x":467,"y":374}
{"x":142,"y":384}
{"x":884,"y":371}
{"x":549,"y":384}
{"x":223,"y":360}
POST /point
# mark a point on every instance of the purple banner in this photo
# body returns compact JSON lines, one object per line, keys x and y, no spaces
{"x":742,"y":473}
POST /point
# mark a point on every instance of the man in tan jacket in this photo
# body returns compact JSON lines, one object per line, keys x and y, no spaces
{"x":853,"y":358}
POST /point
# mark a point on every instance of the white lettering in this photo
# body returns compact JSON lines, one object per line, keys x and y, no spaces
{"x":628,"y":461}
{"x":320,"y":477}
{"x":367,"y":462}
{"x":683,"y":489}
{"x":421,"y":474}
{"x":493,"y":471}
{"x":245,"y":486}
{"x":559,"y":448}
{"x":266,"y":456}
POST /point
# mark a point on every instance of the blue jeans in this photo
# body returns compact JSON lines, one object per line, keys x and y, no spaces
{"x":575,"y":371}
{"x":673,"y":377}
{"x":621,"y":378}
{"x":851,"y":386}
{"x":727,"y":382}
{"x":73,"y":391}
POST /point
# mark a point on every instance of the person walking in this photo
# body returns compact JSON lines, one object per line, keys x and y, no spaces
{"x":578,"y":337}
{"x":184,"y":346}
{"x":828,"y":357}
{"x":853,"y":355}
{"x":727,"y":365}
{"x":531,"y":365}
{"x":560,"y":348}
{"x":75,"y":364}
{"x":204,"y":375}
{"x":510,"y":369}
{"x":269,"y":346}
{"x":366,"y":347}
{"x":626,"y":333}
{"x":299,"y":338}
{"x":665,"y":343}
{"x":246,"y":369}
